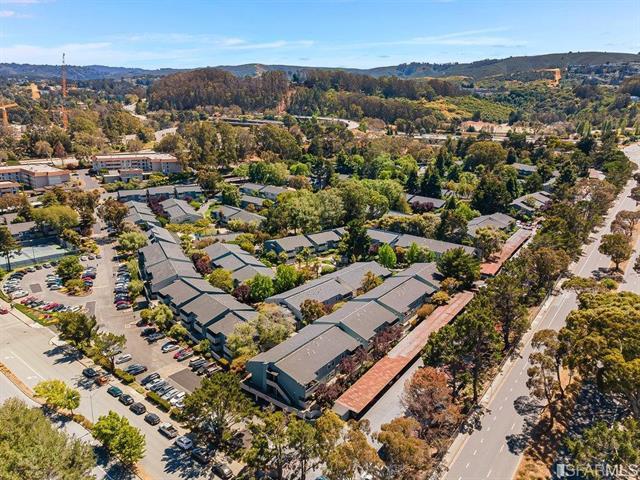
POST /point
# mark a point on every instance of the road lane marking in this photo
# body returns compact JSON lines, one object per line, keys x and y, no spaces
{"x":501,"y":448}
{"x":489,"y":473}
{"x":27,"y":365}
{"x":467,"y":465}
{"x":475,"y":452}
{"x":513,"y":426}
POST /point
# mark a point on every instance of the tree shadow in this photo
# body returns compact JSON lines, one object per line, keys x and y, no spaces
{"x":530,"y":409}
{"x":180,"y":462}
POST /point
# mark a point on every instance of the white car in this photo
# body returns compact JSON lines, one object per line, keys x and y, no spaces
{"x":75,"y":308}
{"x":123,"y":358}
{"x":185,"y":443}
{"x":19,"y":294}
{"x":153,"y":383}
{"x":177,"y":398}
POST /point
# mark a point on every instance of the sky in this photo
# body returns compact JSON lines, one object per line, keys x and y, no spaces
{"x":330,"y":33}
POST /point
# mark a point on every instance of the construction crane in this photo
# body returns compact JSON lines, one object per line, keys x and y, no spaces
{"x":4,"y":108}
{"x":63,"y":112}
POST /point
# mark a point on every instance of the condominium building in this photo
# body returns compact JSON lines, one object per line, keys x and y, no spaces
{"x":34,"y":176}
{"x":147,"y":162}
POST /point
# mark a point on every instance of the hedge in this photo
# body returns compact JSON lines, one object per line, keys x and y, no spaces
{"x":163,"y":404}
{"x":125,"y":377}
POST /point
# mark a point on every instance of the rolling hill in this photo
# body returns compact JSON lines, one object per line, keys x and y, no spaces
{"x":477,"y":70}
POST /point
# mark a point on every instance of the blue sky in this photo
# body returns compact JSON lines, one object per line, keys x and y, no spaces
{"x":338,"y":33}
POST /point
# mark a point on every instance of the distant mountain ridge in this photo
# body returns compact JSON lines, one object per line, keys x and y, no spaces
{"x":477,"y":70}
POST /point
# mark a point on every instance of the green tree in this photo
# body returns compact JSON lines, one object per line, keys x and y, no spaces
{"x":489,"y":241}
{"x":488,"y":154}
{"x":57,"y":394}
{"x":113,"y":213}
{"x":269,"y":443}
{"x":416,"y":254}
{"x":387,"y":256}
{"x":215,"y":409}
{"x":311,"y":310}
{"x":509,"y":303}
{"x":8,"y":245}
{"x":69,"y":268}
{"x":230,"y":195}
{"x":77,"y":328}
{"x":304,"y":443}
{"x":121,"y":438}
{"x":616,"y":246}
{"x":491,"y":195}
{"x":261,"y":287}
{"x":287,"y":277}
{"x":611,"y":445}
{"x":56,"y":217}
{"x":430,"y":186}
{"x":369,"y":281}
{"x":221,"y":278}
{"x":136,"y":287}
{"x":355,"y":242}
{"x":459,"y":265}
{"x":109,"y":344}
{"x":406,"y":454}
{"x":33,"y":448}
{"x":131,"y":242}
{"x":160,"y":315}
{"x":178,"y":331}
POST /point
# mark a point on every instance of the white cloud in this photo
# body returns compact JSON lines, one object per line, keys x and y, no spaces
{"x":19,"y":2}
{"x":7,"y":13}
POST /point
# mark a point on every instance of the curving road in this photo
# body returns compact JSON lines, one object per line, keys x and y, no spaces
{"x":494,"y":450}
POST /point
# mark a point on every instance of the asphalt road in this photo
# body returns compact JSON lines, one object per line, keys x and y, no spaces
{"x":494,"y":450}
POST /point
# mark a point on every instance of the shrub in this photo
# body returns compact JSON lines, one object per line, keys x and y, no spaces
{"x":162,"y":404}
{"x":440,"y":298}
{"x":425,"y":310}
{"x":125,"y":377}
{"x":609,"y":284}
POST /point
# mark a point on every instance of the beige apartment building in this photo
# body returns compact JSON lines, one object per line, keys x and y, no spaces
{"x":34,"y":176}
{"x":147,"y":162}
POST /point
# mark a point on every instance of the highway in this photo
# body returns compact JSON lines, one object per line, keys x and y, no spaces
{"x":494,"y":450}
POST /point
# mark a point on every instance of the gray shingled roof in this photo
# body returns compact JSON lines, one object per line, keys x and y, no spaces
{"x":498,"y":221}
{"x":304,"y":363}
{"x":436,"y":246}
{"x":242,"y":265}
{"x":289,"y":244}
{"x":365,"y":319}
{"x":291,"y":344}
{"x":436,"y":202}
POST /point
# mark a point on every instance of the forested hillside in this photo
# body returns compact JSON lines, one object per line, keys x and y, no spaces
{"x":210,"y":86}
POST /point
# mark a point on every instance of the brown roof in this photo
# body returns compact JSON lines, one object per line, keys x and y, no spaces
{"x":513,"y":243}
{"x":373,"y":382}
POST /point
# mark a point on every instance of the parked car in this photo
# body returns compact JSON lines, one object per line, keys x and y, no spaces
{"x":184,"y":443}
{"x":196,"y":366}
{"x":142,"y":322}
{"x":157,"y":386}
{"x":168,"y":395}
{"x":154,"y":337}
{"x":178,"y":396}
{"x":123,"y":358}
{"x":168,"y":430}
{"x":201,"y":455}
{"x":89,"y":373}
{"x":138,"y":408}
{"x":55,"y":286}
{"x":19,"y":294}
{"x":147,"y":331}
{"x":152,"y":419}
{"x":3,"y":311}
{"x":169,"y":347}
{"x":185,"y":355}
{"x":135,"y":369}
{"x":223,"y":471}
{"x":149,"y":378}
{"x":180,"y":352}
{"x":126,"y":399}
{"x":114,"y":391}
{"x":123,"y":306}
{"x":153,"y":383}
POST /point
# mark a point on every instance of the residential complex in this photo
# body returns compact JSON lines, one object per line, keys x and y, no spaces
{"x":329,"y":289}
{"x":242,"y":265}
{"x":34,"y":176}
{"x":145,"y":162}
{"x":169,"y":276}
{"x":289,"y":373}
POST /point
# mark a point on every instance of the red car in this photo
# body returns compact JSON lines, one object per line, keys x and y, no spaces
{"x":3,"y":311}
{"x":24,"y":301}
{"x":50,"y":306}
{"x":182,"y":352}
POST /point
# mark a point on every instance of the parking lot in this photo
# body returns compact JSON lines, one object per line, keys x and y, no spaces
{"x":100,"y":302}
